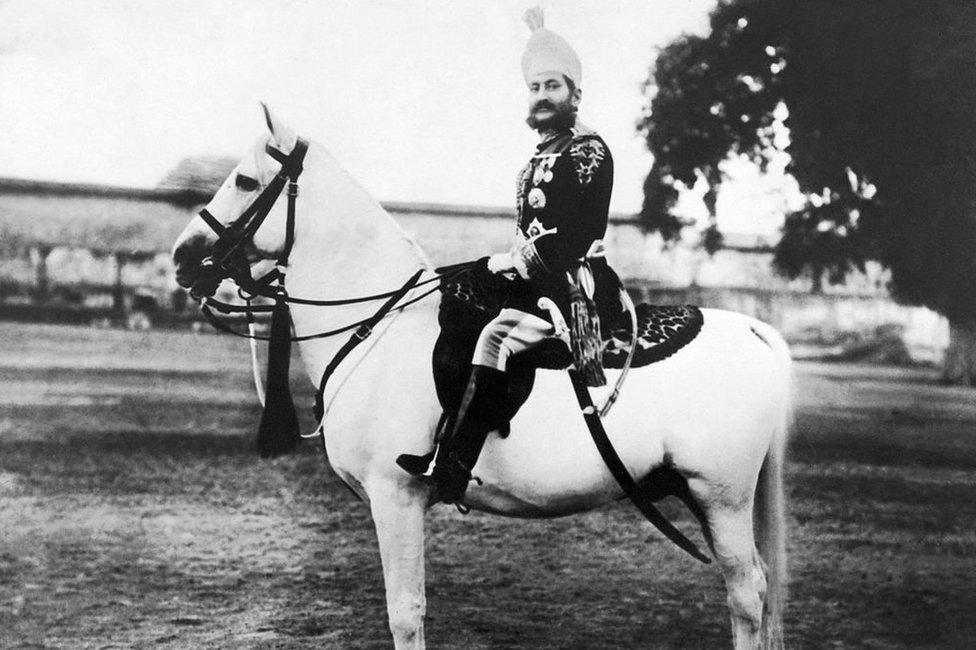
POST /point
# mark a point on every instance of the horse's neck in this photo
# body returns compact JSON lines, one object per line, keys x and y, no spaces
{"x":346,"y":246}
{"x":359,"y":260}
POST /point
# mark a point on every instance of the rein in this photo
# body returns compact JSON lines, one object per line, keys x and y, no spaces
{"x":259,"y":288}
{"x":227,"y":308}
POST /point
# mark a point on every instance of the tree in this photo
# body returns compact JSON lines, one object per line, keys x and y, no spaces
{"x":881,"y":101}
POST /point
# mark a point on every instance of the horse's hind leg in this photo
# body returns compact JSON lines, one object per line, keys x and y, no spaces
{"x":744,"y":571}
{"x":398,"y":513}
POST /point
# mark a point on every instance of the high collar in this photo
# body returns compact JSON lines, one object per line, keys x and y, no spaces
{"x":546,"y":136}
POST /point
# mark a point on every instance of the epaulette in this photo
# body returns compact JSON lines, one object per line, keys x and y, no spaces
{"x":581,"y":131}
{"x":587,"y":152}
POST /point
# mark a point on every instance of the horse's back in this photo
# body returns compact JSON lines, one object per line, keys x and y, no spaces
{"x":725,"y":398}
{"x":706,"y":411}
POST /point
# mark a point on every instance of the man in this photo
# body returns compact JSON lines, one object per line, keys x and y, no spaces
{"x":563,"y":196}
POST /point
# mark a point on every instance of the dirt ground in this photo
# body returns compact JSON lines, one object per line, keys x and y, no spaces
{"x":133,"y":513}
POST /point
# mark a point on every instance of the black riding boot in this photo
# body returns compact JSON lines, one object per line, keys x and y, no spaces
{"x":459,"y":450}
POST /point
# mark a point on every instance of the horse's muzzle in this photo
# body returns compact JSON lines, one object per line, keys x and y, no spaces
{"x":200,"y":278}
{"x":187,"y":260}
{"x":208,"y":278}
{"x":183,"y":278}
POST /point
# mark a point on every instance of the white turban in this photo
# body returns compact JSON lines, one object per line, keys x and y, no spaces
{"x":547,"y":51}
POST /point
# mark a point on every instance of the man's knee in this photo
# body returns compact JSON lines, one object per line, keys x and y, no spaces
{"x":511,"y":332}
{"x":492,"y":350}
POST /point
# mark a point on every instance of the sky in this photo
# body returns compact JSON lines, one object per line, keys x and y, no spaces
{"x":421,"y":100}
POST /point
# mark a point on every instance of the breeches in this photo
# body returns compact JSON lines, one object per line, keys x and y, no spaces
{"x":511,"y":332}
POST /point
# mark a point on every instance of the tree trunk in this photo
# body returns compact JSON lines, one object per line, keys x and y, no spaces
{"x":816,"y":279}
{"x":960,"y":356}
{"x":42,"y":283}
{"x":118,"y":291}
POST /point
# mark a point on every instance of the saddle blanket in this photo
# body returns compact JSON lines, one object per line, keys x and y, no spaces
{"x":470,"y":300}
{"x":662,"y":330}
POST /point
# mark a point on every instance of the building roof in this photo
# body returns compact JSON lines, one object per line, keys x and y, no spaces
{"x":178,"y":197}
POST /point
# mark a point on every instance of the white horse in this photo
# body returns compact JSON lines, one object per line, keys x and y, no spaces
{"x":717,"y":411}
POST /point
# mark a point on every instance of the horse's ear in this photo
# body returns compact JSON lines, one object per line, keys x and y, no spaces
{"x":267,"y":117}
{"x":284,"y":137}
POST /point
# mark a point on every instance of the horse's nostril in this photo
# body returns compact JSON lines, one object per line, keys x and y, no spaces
{"x":186,"y":260}
{"x":181,"y":256}
{"x":190,"y":252}
{"x":183,"y":278}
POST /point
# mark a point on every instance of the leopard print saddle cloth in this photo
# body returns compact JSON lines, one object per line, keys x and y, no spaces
{"x":662,"y":330}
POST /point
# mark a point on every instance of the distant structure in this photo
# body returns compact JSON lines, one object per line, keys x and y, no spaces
{"x":71,"y":250}
{"x":202,"y":174}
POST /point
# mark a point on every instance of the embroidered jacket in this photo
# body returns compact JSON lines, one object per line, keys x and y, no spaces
{"x":563,"y":200}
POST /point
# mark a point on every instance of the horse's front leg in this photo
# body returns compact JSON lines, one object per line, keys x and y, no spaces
{"x":398,"y":513}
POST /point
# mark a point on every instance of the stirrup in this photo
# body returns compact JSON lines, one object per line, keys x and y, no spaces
{"x":463,"y":509}
{"x":448,"y":480}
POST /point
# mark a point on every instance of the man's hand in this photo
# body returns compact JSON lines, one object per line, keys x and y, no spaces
{"x":501,"y":263}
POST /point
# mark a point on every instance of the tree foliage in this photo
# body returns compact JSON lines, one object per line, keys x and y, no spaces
{"x":881,"y":99}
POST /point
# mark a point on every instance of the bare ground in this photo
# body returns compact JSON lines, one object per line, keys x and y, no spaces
{"x":133,"y":513}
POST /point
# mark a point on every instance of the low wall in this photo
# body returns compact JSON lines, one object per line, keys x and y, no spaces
{"x":739,"y":279}
{"x":816,"y":319}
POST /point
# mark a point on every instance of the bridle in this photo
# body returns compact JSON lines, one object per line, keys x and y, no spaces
{"x":227,"y":259}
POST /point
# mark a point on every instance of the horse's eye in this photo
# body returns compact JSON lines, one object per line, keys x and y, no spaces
{"x":246,"y":183}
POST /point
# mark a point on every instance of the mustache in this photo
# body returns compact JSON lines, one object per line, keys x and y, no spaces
{"x":543,"y":103}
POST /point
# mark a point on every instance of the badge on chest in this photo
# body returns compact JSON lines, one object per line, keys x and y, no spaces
{"x":535,"y":229}
{"x":541,"y":174}
{"x":537,"y":198}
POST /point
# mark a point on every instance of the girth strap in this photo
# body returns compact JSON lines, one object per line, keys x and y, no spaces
{"x":622,"y":475}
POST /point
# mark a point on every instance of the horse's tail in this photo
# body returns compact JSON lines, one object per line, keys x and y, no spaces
{"x":770,"y":508}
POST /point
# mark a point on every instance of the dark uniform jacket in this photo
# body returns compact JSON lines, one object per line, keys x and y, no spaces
{"x":563,"y":199}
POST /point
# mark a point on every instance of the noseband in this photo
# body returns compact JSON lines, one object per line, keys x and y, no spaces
{"x":226,"y":259}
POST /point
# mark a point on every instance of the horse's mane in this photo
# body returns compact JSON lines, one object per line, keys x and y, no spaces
{"x":367,"y":207}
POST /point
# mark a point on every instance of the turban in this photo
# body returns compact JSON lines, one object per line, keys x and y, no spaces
{"x":547,"y":51}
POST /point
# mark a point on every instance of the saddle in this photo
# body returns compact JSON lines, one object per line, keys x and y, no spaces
{"x":472,"y":298}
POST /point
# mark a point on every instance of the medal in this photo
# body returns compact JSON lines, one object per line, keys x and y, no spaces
{"x":543,"y":171}
{"x":539,"y":175}
{"x":536,"y":198}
